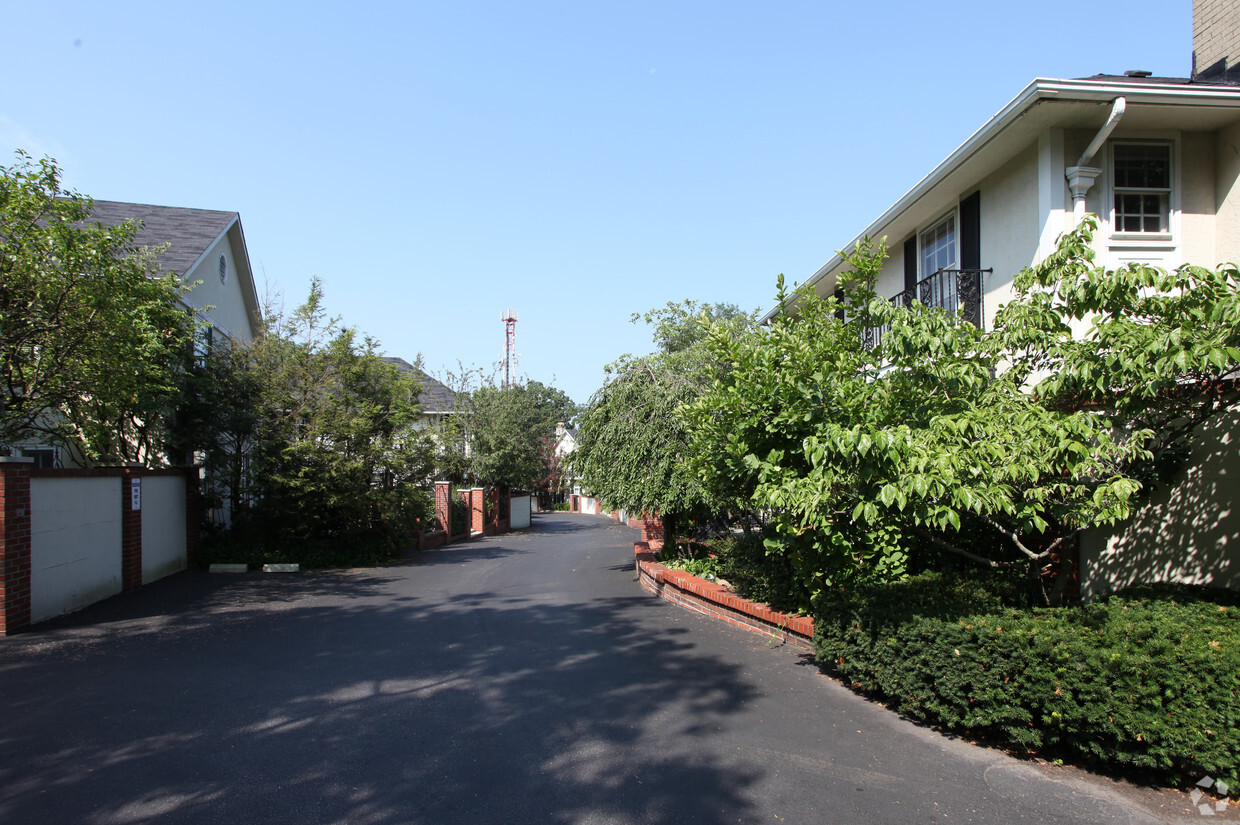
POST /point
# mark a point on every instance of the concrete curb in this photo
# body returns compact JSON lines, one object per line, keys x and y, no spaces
{"x":709,"y":599}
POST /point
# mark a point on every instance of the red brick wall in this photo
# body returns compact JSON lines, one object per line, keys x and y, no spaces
{"x":652,"y":530}
{"x":131,"y":532}
{"x":718,"y":602}
{"x":14,"y":545}
{"x":477,"y":510}
{"x":443,"y":509}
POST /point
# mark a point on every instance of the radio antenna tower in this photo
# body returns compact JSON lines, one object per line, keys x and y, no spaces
{"x":509,"y":318}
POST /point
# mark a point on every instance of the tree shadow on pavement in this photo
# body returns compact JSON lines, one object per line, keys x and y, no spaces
{"x":340,"y":703}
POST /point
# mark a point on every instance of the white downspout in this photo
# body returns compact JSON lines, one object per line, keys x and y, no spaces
{"x":1082,"y":176}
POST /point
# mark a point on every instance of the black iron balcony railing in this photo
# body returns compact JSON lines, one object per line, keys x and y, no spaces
{"x":957,"y":291}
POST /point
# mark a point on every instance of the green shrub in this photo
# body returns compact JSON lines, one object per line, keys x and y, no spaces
{"x":1144,"y":679}
{"x":256,"y":548}
{"x":758,"y":575}
{"x":458,"y":513}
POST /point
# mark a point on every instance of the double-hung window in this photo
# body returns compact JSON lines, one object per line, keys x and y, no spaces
{"x":1142,"y":187}
{"x":938,"y":246}
{"x":938,"y":252}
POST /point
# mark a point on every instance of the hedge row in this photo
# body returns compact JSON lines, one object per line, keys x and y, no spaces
{"x":1148,"y":678}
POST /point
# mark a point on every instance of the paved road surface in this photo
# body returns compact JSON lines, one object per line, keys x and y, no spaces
{"x":516,"y":679}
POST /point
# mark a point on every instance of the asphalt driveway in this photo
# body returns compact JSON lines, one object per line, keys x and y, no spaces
{"x":524,"y":678}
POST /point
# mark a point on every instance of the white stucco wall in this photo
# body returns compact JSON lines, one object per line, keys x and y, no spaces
{"x":75,"y":557}
{"x":226,"y":302}
{"x":1227,"y":196}
{"x":1188,"y":531}
{"x":1010,"y":230}
{"x":1198,"y":221}
{"x":163,"y":526}
{"x":519,"y":512}
{"x":891,"y":278}
{"x":1010,"y":227}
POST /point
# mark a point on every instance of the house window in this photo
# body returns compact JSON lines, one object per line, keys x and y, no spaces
{"x":938,"y":246}
{"x":1142,"y":187}
{"x":223,"y":270}
{"x":204,"y":342}
{"x":45,"y":458}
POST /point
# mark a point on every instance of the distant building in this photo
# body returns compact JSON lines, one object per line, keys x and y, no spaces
{"x":435,"y":400}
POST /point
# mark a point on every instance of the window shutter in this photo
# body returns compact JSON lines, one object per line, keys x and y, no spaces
{"x":971,"y":232}
{"x":910,"y":263}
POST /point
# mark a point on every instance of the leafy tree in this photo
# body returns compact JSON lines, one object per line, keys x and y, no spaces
{"x":329,"y":454}
{"x":633,"y":447}
{"x":998,"y":447}
{"x":92,"y":338}
{"x":217,"y":425}
{"x":511,"y":433}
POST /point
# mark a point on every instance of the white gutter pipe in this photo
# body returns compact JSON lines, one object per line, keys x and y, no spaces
{"x":1082,"y":176}
{"x":1117,"y":112}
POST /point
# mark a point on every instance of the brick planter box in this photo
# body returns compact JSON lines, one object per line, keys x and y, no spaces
{"x":718,"y":602}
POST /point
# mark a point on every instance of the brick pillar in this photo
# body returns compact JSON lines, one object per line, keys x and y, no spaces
{"x":14,"y":543}
{"x":652,"y":530}
{"x":131,"y":529}
{"x":443,"y":507}
{"x":477,"y":509}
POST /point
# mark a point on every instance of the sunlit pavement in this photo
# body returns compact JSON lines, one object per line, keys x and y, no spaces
{"x":523,"y":678}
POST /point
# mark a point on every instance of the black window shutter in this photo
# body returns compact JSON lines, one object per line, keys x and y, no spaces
{"x":971,"y":232}
{"x":910,"y":263}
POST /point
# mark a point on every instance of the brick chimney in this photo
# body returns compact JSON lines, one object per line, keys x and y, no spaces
{"x":1216,"y":41}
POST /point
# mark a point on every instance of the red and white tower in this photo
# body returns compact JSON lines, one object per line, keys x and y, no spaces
{"x":509,"y":318}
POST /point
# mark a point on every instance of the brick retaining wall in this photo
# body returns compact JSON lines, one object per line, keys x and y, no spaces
{"x":718,"y":602}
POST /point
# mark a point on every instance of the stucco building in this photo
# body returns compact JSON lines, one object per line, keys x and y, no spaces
{"x":1157,"y":159}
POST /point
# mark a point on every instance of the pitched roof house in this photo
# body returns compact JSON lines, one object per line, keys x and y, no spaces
{"x":206,"y":248}
{"x":565,"y":439}
{"x":436,"y":400}
{"x":1157,"y":159}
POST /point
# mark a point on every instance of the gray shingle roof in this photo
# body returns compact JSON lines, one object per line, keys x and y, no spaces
{"x":436,"y":397}
{"x":188,"y":232}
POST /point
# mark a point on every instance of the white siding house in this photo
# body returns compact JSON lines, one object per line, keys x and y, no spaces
{"x":1157,"y":159}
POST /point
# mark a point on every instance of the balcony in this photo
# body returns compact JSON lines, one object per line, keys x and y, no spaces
{"x":957,"y":291}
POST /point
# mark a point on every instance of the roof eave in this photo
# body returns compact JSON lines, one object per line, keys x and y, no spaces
{"x":1038,"y":90}
{"x":249,"y":290}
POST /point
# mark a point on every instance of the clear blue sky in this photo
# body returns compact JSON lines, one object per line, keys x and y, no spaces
{"x":437,"y":163}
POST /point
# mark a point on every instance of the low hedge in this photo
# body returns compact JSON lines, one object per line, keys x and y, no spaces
{"x":1148,"y":678}
{"x":757,"y":575}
